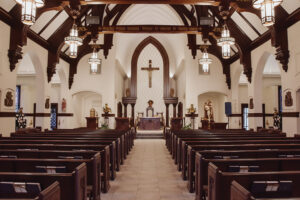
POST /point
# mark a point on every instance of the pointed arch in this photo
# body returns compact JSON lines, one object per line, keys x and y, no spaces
{"x":166,"y":67}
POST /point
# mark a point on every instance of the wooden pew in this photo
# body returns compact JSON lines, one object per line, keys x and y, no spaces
{"x":30,"y":165}
{"x":219,"y":181}
{"x":188,"y":159}
{"x":103,"y":150}
{"x":109,"y":143}
{"x":243,"y":191}
{"x":49,"y":192}
{"x":73,"y":184}
{"x":204,"y":157}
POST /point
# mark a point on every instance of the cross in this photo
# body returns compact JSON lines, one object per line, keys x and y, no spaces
{"x":150,"y":69}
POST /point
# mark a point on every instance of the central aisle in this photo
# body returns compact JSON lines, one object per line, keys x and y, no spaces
{"x":148,"y":173}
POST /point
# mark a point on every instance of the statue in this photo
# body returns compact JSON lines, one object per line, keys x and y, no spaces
{"x":288,"y":99}
{"x":64,"y":105}
{"x":106,"y":109}
{"x":150,"y":103}
{"x":8,"y":101}
{"x":92,"y":112}
{"x":208,"y":111}
{"x":251,"y":104}
{"x":191,"y":110}
{"x":47,"y":103}
{"x":276,"y":119}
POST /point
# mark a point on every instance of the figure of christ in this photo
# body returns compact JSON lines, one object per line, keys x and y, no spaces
{"x":150,"y":69}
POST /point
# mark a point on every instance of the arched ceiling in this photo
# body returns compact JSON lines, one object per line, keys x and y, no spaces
{"x":153,"y":14}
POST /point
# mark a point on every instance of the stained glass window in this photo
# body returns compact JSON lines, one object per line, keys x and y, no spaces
{"x":18,"y":98}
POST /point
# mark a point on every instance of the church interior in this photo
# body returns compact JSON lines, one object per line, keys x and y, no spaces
{"x":149,"y":99}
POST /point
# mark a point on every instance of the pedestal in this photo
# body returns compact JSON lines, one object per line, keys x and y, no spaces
{"x":92,"y":122}
{"x":106,"y":118}
{"x":192,"y":116}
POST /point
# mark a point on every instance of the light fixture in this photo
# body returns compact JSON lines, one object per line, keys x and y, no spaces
{"x":29,"y":10}
{"x":73,"y":41}
{"x":225,"y":42}
{"x":267,"y":10}
{"x":94,"y":62}
{"x":205,"y":61}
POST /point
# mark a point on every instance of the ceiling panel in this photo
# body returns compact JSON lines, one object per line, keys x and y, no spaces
{"x":7,"y":5}
{"x":290,"y":5}
{"x":54,"y":25}
{"x":244,"y":26}
{"x":255,"y":21}
{"x":43,"y":20}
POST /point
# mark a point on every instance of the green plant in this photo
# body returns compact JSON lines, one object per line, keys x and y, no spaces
{"x":104,"y":126}
{"x":187,"y":127}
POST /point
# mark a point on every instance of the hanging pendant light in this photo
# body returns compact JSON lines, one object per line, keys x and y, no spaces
{"x":267,"y":10}
{"x":94,"y":62}
{"x":225,"y":42}
{"x":205,"y":61}
{"x":73,"y":41}
{"x":29,"y":10}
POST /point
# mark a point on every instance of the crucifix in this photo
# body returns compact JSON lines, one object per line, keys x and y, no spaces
{"x":150,"y":69}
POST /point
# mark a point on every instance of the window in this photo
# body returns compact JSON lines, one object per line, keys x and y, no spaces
{"x":245,"y":119}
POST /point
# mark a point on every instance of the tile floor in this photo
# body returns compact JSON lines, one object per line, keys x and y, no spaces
{"x":148,"y":173}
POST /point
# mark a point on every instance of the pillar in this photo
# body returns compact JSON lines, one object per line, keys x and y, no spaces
{"x":167,"y":115}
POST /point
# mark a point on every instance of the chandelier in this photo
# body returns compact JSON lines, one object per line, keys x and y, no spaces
{"x":267,"y":10}
{"x":29,"y":10}
{"x":205,"y":61}
{"x":73,"y":41}
{"x":94,"y":61}
{"x":225,"y":42}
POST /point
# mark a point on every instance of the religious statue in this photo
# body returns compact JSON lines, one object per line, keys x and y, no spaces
{"x":92,"y":112}
{"x":64,"y":105}
{"x":150,"y":69}
{"x":208,"y":111}
{"x":276,"y":119}
{"x":106,"y":109}
{"x":288,"y":99}
{"x":47,"y":103}
{"x":20,"y":121}
{"x":191,"y":109}
{"x":127,"y":92}
{"x":8,"y":101}
{"x":251,"y":104}
{"x":150,"y":108}
{"x":172,"y":92}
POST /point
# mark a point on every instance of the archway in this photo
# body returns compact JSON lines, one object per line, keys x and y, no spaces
{"x":166,"y":67}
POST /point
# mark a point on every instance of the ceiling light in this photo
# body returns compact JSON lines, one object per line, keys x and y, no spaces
{"x":73,"y":41}
{"x":29,"y":10}
{"x":267,"y":10}
{"x":225,"y":42}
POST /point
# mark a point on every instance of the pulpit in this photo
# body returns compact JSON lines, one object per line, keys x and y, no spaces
{"x":92,"y":122}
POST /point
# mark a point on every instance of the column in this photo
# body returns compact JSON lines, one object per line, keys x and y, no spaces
{"x":132,"y":114}
{"x":125,"y":109}
{"x":167,"y":115}
{"x":174,"y":109}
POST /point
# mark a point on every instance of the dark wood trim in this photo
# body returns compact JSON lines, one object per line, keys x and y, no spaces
{"x":290,"y":114}
{"x":7,"y":114}
{"x":37,"y":114}
{"x":255,"y":114}
{"x":65,"y":114}
{"x":166,"y":67}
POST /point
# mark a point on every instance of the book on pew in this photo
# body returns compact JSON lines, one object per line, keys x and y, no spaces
{"x":20,"y":188}
{"x":8,"y":156}
{"x":236,"y":168}
{"x":289,"y":156}
{"x":70,"y":157}
{"x":33,"y":188}
{"x":51,"y":169}
{"x":270,"y":189}
{"x":226,"y":157}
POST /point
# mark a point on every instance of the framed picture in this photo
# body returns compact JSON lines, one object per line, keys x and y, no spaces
{"x":9,"y":99}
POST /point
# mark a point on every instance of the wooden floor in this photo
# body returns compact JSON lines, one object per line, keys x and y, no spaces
{"x":149,"y":173}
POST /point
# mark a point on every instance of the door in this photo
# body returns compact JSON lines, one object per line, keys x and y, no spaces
{"x":53,"y":117}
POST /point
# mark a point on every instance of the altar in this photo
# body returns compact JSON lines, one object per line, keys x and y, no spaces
{"x":149,"y":123}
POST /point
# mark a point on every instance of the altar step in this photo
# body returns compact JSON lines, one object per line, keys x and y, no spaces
{"x":149,"y":136}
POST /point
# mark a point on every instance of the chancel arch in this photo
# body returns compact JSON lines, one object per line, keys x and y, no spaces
{"x":134,"y":67}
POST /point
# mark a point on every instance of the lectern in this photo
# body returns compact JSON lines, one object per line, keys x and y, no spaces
{"x":92,"y":122}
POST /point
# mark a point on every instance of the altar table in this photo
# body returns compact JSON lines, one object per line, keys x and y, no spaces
{"x":149,"y":123}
